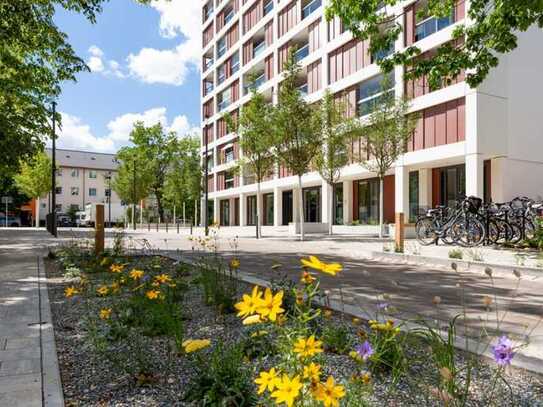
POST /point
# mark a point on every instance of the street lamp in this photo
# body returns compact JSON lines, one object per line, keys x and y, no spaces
{"x":108,"y":177}
{"x":53,"y":176}
{"x":206,"y":186}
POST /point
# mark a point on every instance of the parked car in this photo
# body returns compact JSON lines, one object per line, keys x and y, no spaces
{"x":64,"y":220}
{"x":12,"y":221}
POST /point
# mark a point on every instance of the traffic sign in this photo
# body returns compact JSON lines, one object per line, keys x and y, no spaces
{"x":7,"y":200}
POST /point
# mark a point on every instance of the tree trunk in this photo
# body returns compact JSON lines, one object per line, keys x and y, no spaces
{"x":195,"y":212}
{"x":301,"y":208}
{"x":37,"y":212}
{"x":160,"y":209}
{"x":133,"y":216}
{"x":258,"y":212}
{"x":381,"y":206}
{"x":331,"y":211}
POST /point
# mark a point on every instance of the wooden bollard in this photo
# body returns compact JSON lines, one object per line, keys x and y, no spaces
{"x":99,"y":230}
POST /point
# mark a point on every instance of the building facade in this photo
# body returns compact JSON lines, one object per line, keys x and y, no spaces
{"x":82,"y":178}
{"x":484,"y":141}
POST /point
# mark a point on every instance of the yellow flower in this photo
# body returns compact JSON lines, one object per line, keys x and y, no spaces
{"x":329,"y":393}
{"x":267,"y":380}
{"x":102,"y":290}
{"x":388,"y":326}
{"x":287,"y":390}
{"x":366,"y":378}
{"x":259,"y":333}
{"x":105,"y":313}
{"x":152,"y":294}
{"x":136,"y":274}
{"x":116,"y":268}
{"x":355,"y":355}
{"x":249,"y":303}
{"x":70,"y":291}
{"x":270,"y":306}
{"x":356,"y":321}
{"x":193,"y":345}
{"x":312,"y":372}
{"x":316,"y":264}
{"x":307,"y":347}
{"x":163,"y":278}
{"x":307,"y":278}
{"x":115,"y":287}
{"x":327,"y":313}
{"x":299,"y":297}
{"x":234,"y":264}
{"x":253,"y":319}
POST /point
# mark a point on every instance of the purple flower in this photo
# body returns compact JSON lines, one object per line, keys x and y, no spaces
{"x":364,"y":351}
{"x":503,"y":351}
{"x":383,"y":305}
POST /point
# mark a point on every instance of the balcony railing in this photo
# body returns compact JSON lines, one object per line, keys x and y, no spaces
{"x":208,"y":63}
{"x":304,"y":89}
{"x":208,"y":88}
{"x":301,"y":53}
{"x":223,"y":104}
{"x":256,"y":83}
{"x":268,"y":7}
{"x":310,"y":8}
{"x":221,"y":50}
{"x":259,"y":49}
{"x":228,"y":17}
{"x":431,"y":26}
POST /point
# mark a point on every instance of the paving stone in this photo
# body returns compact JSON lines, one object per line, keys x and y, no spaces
{"x":20,"y":367}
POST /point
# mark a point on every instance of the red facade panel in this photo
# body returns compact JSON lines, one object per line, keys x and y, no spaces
{"x":232,"y":36}
{"x":268,"y":67}
{"x":335,"y":28}
{"x":208,"y":110}
{"x":253,"y":15}
{"x":314,"y":75}
{"x":235,"y":91}
{"x":287,"y":18}
{"x":207,"y":35}
{"x":389,"y":188}
{"x":268,"y":33}
{"x":247,"y":52}
{"x":348,"y":59}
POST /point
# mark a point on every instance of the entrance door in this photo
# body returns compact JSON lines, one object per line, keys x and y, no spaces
{"x":453,"y":185}
{"x":251,"y":210}
{"x":225,"y":212}
{"x":268,"y":209}
{"x":338,"y":204}
{"x":312,"y":205}
{"x":287,"y":207}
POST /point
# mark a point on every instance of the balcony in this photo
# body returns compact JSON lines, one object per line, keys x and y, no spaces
{"x":228,"y":17}
{"x":208,"y":88}
{"x":259,"y":49}
{"x":258,"y":82}
{"x":304,"y":90}
{"x":310,"y":8}
{"x":221,"y":50}
{"x":208,"y":63}
{"x":223,"y":104}
{"x":268,"y":7}
{"x":301,"y":53}
{"x":431,"y":26}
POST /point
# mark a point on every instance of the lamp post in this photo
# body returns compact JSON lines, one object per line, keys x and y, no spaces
{"x":134,"y":195}
{"x":206,"y":188}
{"x":53,"y":176}
{"x":108,"y":177}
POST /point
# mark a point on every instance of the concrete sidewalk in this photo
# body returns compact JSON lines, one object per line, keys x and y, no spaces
{"x":29,"y":374}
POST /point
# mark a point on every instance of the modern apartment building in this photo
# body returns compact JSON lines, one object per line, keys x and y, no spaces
{"x":82,"y":178}
{"x":486,"y":141}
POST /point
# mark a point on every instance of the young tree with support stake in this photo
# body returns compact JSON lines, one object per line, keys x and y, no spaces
{"x":296,"y":129}
{"x":335,"y":132}
{"x":255,"y":130}
{"x":34,"y":179}
{"x":384,"y":134}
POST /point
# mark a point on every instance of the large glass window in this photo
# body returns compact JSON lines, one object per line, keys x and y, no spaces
{"x":338,"y":204}
{"x":368,"y":201}
{"x":228,"y":180}
{"x":426,"y":26}
{"x":453,"y":185}
{"x":310,"y":8}
{"x":413,"y":196}
{"x":371,"y":90}
{"x":92,"y":191}
{"x":221,"y":47}
{"x":225,"y":212}
{"x":235,"y":63}
{"x":268,"y":209}
{"x":312,"y":205}
{"x":251,"y":210}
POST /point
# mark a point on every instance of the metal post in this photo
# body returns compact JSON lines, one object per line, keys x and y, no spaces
{"x":53,"y":175}
{"x":206,"y":189}
{"x":134,"y":195}
{"x":109,"y":201}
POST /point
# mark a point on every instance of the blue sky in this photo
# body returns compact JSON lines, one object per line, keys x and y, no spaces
{"x":144,"y":62}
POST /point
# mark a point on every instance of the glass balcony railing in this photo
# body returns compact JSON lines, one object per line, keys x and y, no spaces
{"x":221,"y":50}
{"x":382,"y":54}
{"x":259,"y":49}
{"x":301,"y":53}
{"x":258,"y":82}
{"x":304,"y":89}
{"x":431,"y":26}
{"x":208,"y":88}
{"x":310,"y":8}
{"x":208,"y":63}
{"x":228,"y":17}
{"x":223,"y":104}
{"x":268,"y":7}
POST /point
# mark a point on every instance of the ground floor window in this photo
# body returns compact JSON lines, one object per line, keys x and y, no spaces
{"x":312,"y":205}
{"x":413,"y":196}
{"x":368,"y":201}
{"x":210,"y":215}
{"x":452,"y":185}
{"x":251,"y":210}
{"x":287,"y":207}
{"x":225,"y":212}
{"x":268,"y":209}
{"x":236,"y":212}
{"x":338,"y":204}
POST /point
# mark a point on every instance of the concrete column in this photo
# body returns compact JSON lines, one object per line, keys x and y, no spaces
{"x":401,"y":179}
{"x":202,"y":212}
{"x":474,"y":175}
{"x":425,"y":188}
{"x":277,"y":207}
{"x":296,"y":204}
{"x":499,"y":176}
{"x":216,"y":211}
{"x":326,"y":196}
{"x":242,"y":210}
{"x":347,"y":202}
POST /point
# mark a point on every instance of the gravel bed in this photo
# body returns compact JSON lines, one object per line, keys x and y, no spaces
{"x":90,"y":379}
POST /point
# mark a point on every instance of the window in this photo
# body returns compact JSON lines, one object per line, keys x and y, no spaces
{"x":382,"y":54}
{"x":210,"y":162}
{"x":413,"y":196}
{"x":251,"y":210}
{"x":258,"y":47}
{"x":368,"y":201}
{"x":224,"y":99}
{"x":235,"y":63}
{"x":229,"y":154}
{"x":92,"y":174}
{"x":228,"y":16}
{"x":301,"y":53}
{"x":426,"y":26}
{"x":92,"y":191}
{"x":268,"y":7}
{"x":371,"y":90}
{"x":208,"y":87}
{"x":310,"y":8}
{"x":452,"y":185}
{"x":221,"y":74}
{"x":225,"y":212}
{"x":221,"y":47}
{"x":75,"y":173}
{"x":58,"y":190}
{"x":338,"y":204}
{"x":228,"y":180}
{"x":268,"y":209}
{"x":75,"y":191}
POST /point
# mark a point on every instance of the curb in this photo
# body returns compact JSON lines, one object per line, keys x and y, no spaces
{"x":53,"y":395}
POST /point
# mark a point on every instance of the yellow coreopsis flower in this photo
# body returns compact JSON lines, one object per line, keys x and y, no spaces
{"x":329,"y":393}
{"x":102,"y":290}
{"x":136,"y":274}
{"x":70,"y":291}
{"x":307,"y":347}
{"x":267,"y":380}
{"x":249,"y":303}
{"x":312,"y":372}
{"x":105,"y":313}
{"x":163,"y":279}
{"x":234,"y":264}
{"x":116,"y":268}
{"x":152,"y":294}
{"x":270,"y":306}
{"x":253,"y":319}
{"x":115,"y":287}
{"x":307,"y":278}
{"x":316,"y":264}
{"x":287,"y":390}
{"x":193,"y":345}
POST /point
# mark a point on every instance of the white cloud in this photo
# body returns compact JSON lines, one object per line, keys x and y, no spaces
{"x":97,"y":64}
{"x":77,"y":135}
{"x":171,"y":66}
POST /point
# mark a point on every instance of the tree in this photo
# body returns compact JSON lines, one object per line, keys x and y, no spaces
{"x":35,"y":58}
{"x":183,"y":179}
{"x":493,"y":30}
{"x":384,"y":135}
{"x":255,"y":129}
{"x":295,"y":129}
{"x":335,"y":131}
{"x":35,"y":178}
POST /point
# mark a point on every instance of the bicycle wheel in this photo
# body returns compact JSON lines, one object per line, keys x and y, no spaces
{"x":426,"y":232}
{"x":516,"y":234}
{"x":494,"y":232}
{"x":529,"y":230}
{"x":505,"y":231}
{"x":473,"y":232}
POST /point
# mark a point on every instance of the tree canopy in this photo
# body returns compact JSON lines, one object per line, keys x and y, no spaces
{"x":493,"y":30}
{"x":35,"y":178}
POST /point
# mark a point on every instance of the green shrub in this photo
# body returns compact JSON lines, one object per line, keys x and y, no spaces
{"x":219,"y":285}
{"x":456,"y":254}
{"x":337,"y":338}
{"x":222,"y":378}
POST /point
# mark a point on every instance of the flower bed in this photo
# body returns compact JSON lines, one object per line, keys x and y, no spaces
{"x":149,"y":331}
